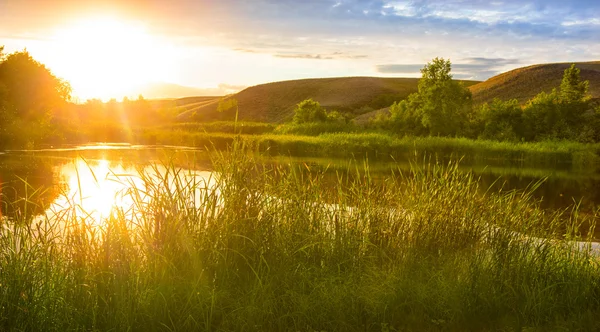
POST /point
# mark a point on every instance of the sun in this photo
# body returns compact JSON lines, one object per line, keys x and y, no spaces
{"x":106,"y":57}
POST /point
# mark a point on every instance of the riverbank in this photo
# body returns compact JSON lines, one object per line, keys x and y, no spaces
{"x":384,"y":146}
{"x":235,"y":258}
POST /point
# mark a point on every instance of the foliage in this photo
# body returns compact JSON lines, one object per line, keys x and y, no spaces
{"x":502,"y":120}
{"x":279,"y":248}
{"x":572,"y":88}
{"x":444,"y":102}
{"x":309,"y":111}
{"x":560,"y":114}
{"x":29,"y":95}
{"x":443,"y":107}
{"x":440,"y":107}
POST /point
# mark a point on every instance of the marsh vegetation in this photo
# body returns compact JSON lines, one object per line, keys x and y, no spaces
{"x":255,"y":246}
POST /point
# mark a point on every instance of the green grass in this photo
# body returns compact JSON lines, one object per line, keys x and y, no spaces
{"x":315,"y":128}
{"x":230,"y":127}
{"x":277,"y":248}
{"x":384,"y":146}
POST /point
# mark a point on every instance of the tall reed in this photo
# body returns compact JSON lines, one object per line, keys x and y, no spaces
{"x":259,"y":247}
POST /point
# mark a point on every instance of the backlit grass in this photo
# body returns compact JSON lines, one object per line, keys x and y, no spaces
{"x":385,"y":146}
{"x":260,"y":247}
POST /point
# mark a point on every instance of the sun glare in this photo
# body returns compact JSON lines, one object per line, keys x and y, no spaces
{"x":107,"y":57}
{"x":95,"y":189}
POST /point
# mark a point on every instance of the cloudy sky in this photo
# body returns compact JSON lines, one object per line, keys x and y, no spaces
{"x":104,"y":47}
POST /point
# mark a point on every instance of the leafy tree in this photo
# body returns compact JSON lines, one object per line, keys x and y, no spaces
{"x":441,"y":106}
{"x":406,"y":118}
{"x":29,"y":94}
{"x":561,"y":114}
{"x":542,"y":115}
{"x":335,"y":116}
{"x":445,"y":103}
{"x":502,"y":120}
{"x":572,"y":88}
{"x":309,"y":111}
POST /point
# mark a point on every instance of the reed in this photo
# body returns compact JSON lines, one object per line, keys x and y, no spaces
{"x":258,"y":247}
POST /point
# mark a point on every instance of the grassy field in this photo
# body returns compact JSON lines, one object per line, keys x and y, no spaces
{"x":266,"y":248}
{"x":346,"y":141}
{"x":525,"y":83}
{"x":275,"y":102}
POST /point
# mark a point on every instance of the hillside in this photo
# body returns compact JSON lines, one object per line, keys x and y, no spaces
{"x":524,"y":83}
{"x":274,"y":102}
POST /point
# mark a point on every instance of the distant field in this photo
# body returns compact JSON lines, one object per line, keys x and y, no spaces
{"x":524,"y":83}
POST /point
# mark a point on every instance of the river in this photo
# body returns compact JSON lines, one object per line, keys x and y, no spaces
{"x":94,"y":177}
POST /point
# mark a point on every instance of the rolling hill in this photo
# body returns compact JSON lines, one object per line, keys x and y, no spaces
{"x":524,"y":83}
{"x":360,"y":96}
{"x":275,"y":102}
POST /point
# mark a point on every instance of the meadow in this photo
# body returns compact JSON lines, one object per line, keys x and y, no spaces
{"x":339,"y":140}
{"x":263,"y":247}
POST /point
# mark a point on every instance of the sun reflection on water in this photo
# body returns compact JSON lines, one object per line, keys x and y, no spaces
{"x":95,"y":190}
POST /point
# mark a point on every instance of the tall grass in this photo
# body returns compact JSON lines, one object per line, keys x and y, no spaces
{"x":330,"y":141}
{"x":259,"y":247}
{"x":316,"y":128}
{"x":230,"y":127}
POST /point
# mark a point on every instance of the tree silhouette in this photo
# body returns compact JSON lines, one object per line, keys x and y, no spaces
{"x":29,"y":93}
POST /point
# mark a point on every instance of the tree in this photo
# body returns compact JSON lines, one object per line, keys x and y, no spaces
{"x":309,"y":111}
{"x":444,"y":102}
{"x":572,"y":88}
{"x":29,"y":93}
{"x":561,"y":114}
{"x":502,"y":120}
{"x":441,"y":105}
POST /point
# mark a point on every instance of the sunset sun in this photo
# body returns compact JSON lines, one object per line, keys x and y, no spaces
{"x":105,"y":56}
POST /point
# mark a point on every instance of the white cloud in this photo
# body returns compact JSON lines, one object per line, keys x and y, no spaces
{"x":591,"y":21}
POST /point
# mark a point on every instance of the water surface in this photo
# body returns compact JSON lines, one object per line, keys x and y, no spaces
{"x":95,"y":178}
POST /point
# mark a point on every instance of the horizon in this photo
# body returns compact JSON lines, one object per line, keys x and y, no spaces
{"x":105,"y":48}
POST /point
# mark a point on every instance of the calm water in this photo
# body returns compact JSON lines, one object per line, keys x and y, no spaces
{"x":93,"y":177}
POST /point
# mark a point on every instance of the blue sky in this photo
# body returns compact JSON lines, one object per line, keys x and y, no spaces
{"x":241,"y":43}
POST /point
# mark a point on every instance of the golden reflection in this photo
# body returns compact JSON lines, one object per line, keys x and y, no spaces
{"x":95,"y":190}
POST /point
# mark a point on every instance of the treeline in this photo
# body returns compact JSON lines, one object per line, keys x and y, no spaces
{"x":443,"y":107}
{"x":36,"y":109}
{"x":111,"y":121}
{"x":29,"y":97}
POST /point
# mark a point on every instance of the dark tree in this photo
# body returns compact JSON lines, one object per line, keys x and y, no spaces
{"x":29,"y":94}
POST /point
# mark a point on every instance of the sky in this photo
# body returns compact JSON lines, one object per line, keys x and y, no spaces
{"x":110,"y":48}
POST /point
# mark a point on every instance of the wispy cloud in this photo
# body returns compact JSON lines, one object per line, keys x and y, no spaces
{"x":475,"y":68}
{"x":345,"y":37}
{"x":331,"y":56}
{"x":304,"y":56}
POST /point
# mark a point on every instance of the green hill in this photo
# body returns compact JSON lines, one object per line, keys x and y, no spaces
{"x":275,"y":102}
{"x":359,"y":96}
{"x":524,"y":83}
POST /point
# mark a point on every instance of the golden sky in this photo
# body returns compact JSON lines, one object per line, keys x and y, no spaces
{"x":115,"y":48}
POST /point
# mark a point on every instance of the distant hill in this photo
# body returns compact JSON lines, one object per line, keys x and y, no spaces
{"x":275,"y":102}
{"x":163,"y":90}
{"x":524,"y":83}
